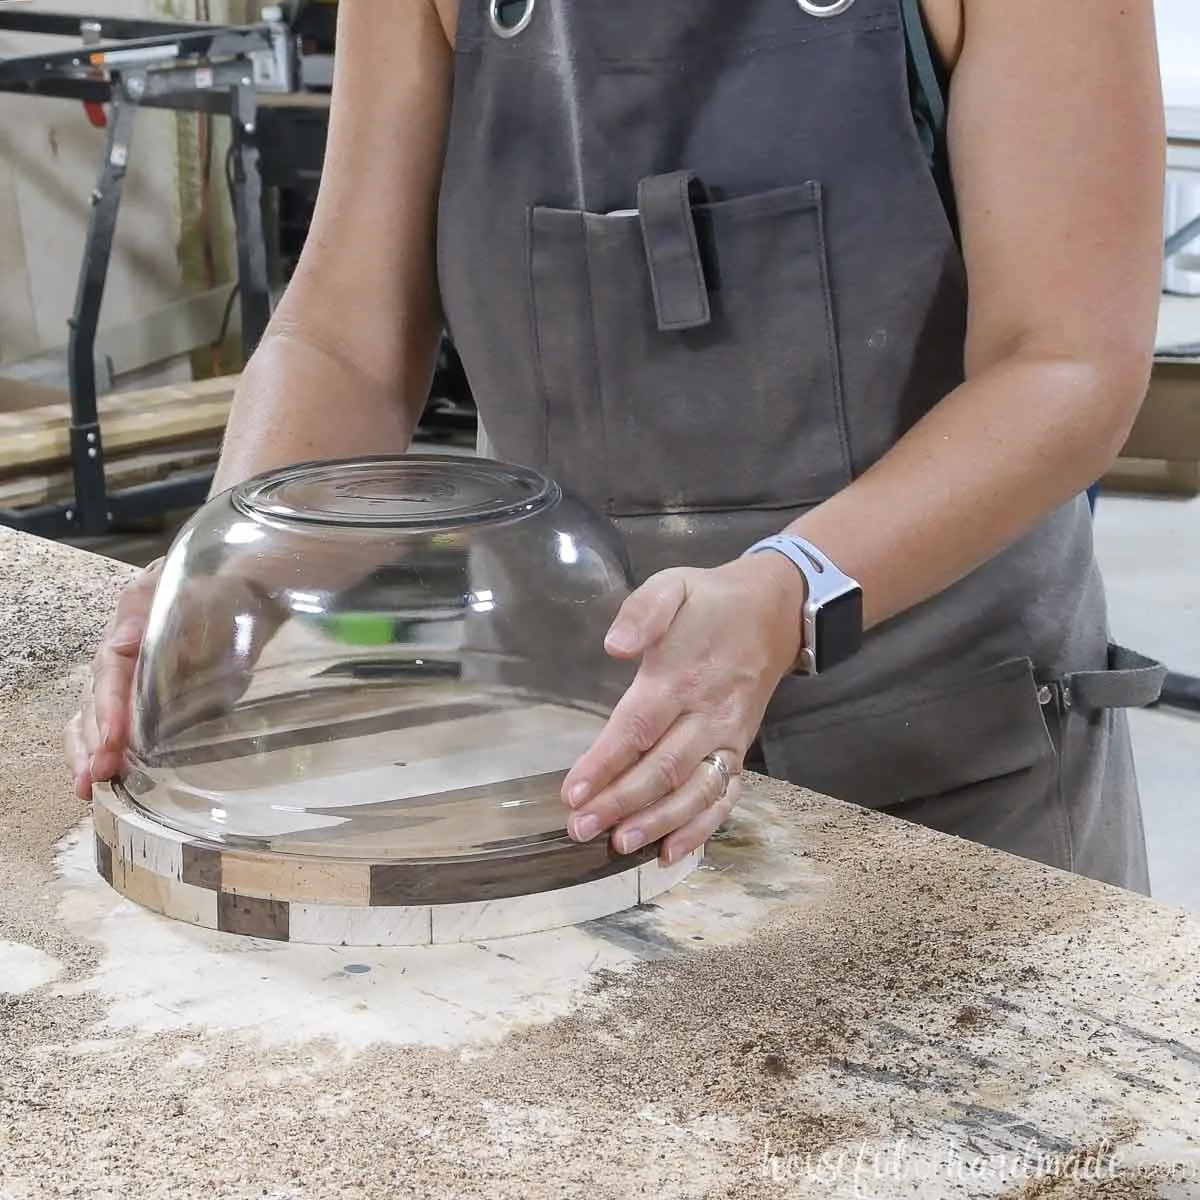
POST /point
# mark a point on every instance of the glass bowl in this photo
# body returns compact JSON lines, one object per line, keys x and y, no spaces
{"x":388,"y":659}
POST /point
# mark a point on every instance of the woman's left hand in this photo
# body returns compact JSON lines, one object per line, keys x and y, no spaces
{"x":714,"y":645}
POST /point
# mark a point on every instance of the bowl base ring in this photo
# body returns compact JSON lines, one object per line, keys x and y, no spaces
{"x":356,"y":902}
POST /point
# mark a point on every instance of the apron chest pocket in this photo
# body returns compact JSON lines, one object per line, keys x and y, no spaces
{"x":687,"y":353}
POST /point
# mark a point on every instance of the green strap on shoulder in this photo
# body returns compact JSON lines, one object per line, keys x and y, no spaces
{"x":922,"y":61}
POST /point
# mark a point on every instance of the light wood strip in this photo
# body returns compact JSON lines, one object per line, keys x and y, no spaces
{"x":151,"y":847}
{"x":104,"y":817}
{"x":303,"y":880}
{"x":481,"y":920}
{"x":338,"y":925}
{"x":654,"y":879}
{"x":170,"y":897}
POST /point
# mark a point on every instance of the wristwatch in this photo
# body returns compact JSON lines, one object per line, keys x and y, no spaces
{"x":832,"y":621}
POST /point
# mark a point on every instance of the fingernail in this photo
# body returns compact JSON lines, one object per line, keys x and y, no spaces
{"x":632,"y":840}
{"x":620,"y":640}
{"x":667,"y":857}
{"x":586,"y":827}
{"x":577,"y":793}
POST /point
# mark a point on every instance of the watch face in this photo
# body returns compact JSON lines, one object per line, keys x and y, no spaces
{"x":838,"y":629}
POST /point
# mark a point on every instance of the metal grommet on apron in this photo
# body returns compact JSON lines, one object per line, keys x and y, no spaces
{"x":820,"y":10}
{"x":510,"y":17}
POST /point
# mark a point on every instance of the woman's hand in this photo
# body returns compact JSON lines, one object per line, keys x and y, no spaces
{"x":714,"y":645}
{"x":204,"y":657}
{"x":96,"y":735}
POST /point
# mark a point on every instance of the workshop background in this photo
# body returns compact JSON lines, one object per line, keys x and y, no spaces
{"x":202,"y":192}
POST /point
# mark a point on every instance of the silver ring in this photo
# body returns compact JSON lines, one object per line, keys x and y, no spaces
{"x":715,"y":760}
{"x":824,"y":10}
{"x":509,"y":31}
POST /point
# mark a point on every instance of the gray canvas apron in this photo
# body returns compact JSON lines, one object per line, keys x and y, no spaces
{"x":698,"y":269}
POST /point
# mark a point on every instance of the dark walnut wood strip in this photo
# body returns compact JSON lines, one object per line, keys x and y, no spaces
{"x":289,"y":739}
{"x":201,"y":866}
{"x":104,"y":860}
{"x":252,"y":917}
{"x":497,"y":877}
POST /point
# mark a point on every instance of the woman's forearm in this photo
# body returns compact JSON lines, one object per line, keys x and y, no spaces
{"x":298,"y":401}
{"x":994,"y":458}
{"x":301,"y":398}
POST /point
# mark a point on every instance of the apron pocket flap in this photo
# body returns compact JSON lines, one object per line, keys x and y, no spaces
{"x":1131,"y":681}
{"x":677,"y":280}
{"x":874,"y":755}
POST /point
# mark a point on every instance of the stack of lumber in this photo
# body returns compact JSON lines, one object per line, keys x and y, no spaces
{"x":147,"y":436}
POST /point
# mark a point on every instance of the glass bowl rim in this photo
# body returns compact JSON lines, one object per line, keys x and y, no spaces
{"x":541,"y":493}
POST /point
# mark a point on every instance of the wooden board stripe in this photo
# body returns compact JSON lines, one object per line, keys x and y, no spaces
{"x":344,"y":925}
{"x":200,"y":886}
{"x":149,"y":417}
{"x":533,"y":913}
{"x":302,"y":880}
{"x":286,"y":739}
{"x":201,"y":866}
{"x":252,"y":917}
{"x":104,"y":818}
{"x":499,"y":877}
{"x":170,"y":897}
{"x":45,"y":485}
{"x":104,"y":860}
{"x":654,"y":879}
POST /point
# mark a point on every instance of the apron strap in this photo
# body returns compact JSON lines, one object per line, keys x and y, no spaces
{"x":672,"y":250}
{"x":1131,"y":681}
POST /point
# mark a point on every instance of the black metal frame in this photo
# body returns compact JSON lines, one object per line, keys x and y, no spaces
{"x":155,"y":64}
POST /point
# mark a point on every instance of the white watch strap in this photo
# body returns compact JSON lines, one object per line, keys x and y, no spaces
{"x":823,"y":578}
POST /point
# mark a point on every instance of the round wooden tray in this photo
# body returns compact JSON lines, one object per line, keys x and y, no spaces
{"x":356,"y":902}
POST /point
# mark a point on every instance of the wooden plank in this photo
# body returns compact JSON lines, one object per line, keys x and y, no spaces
{"x":1168,"y":426}
{"x":313,"y":100}
{"x":20,"y":491}
{"x":1151,"y":476}
{"x":18,"y":395}
{"x":150,"y":417}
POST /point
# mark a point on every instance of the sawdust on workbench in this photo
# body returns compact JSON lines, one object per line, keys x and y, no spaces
{"x":668,"y":1082}
{"x":53,"y":605}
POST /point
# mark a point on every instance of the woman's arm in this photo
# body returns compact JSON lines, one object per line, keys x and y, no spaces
{"x":1057,"y":151}
{"x":1056,"y":140}
{"x":345,"y":364}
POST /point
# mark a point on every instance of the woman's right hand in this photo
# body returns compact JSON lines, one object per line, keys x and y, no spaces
{"x":98,"y":733}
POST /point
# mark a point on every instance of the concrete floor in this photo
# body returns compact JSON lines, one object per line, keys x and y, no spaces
{"x":1150,"y":552}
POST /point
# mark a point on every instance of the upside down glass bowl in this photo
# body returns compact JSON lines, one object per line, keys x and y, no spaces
{"x":385,"y":659}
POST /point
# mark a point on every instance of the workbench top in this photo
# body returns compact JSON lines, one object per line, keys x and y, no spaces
{"x":836,"y":1004}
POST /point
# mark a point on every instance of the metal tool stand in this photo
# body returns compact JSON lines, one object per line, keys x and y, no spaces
{"x":158,"y":64}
